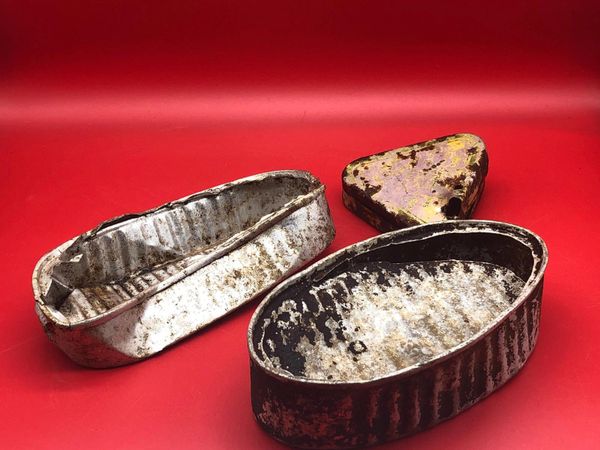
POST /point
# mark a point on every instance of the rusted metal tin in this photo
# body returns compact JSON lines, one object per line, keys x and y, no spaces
{"x":138,"y":283}
{"x":396,"y":333}
{"x":431,"y":181}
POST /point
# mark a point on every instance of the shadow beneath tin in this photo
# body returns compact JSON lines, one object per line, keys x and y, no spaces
{"x":40,"y":363}
{"x":36,"y":364}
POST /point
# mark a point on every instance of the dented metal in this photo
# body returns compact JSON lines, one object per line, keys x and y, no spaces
{"x":435,"y":180}
{"x":139,"y":283}
{"x":396,"y":333}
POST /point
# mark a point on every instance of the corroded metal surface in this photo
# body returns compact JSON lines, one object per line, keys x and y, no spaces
{"x":141,"y":282}
{"x":396,"y":333}
{"x":427,"y":182}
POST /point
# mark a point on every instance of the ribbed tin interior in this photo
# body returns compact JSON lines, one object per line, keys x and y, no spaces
{"x":124,"y":260}
{"x":392,"y":307}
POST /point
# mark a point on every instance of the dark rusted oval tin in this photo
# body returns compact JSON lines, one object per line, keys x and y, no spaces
{"x":395,"y":334}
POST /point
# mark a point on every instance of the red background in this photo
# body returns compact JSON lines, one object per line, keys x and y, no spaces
{"x":108,"y":107}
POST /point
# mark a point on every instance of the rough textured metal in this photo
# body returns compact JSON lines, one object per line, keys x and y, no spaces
{"x":395,"y":334}
{"x":141,"y":282}
{"x":427,"y":182}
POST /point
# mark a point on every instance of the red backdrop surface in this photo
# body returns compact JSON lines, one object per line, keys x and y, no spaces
{"x":111,"y":107}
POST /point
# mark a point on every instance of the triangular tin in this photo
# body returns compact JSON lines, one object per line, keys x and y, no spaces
{"x":426,"y":182}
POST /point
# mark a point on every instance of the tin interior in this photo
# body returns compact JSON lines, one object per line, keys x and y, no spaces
{"x":103,"y":270}
{"x":392,"y":307}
